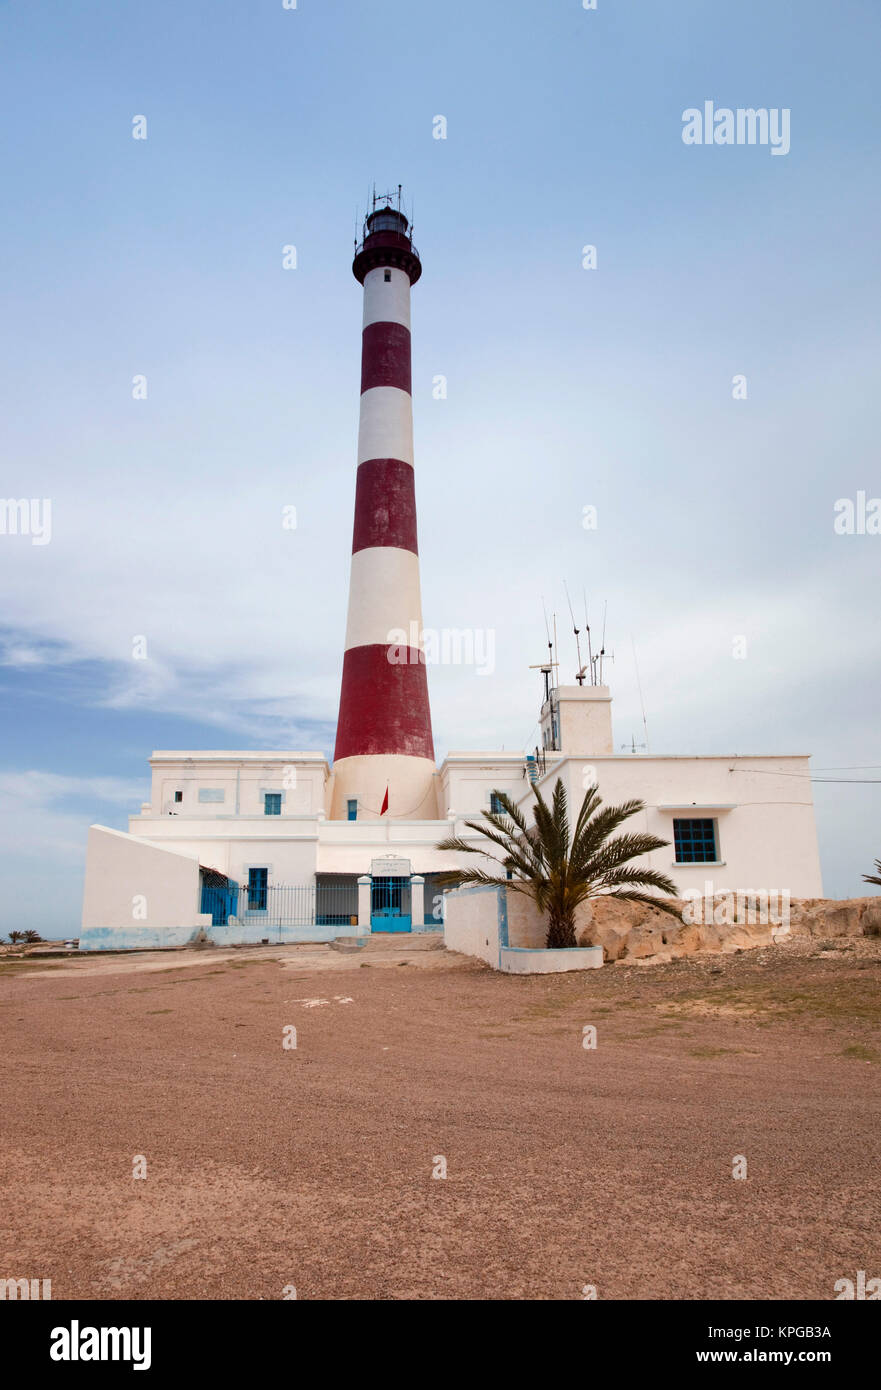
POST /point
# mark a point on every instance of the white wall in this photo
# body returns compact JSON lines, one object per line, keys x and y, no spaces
{"x":471,"y":923}
{"x":135,"y":886}
{"x":468,"y":778}
{"x":477,"y":920}
{"x":243,"y":777}
{"x":527,"y":927}
{"x":762,"y":805}
{"x":583,"y":718}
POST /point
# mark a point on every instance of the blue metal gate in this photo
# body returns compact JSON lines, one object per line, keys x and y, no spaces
{"x":390,"y":905}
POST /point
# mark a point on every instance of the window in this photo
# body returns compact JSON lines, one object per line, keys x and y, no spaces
{"x":352,"y":807}
{"x":695,"y":841}
{"x":272,"y":803}
{"x":211,"y":794}
{"x":387,"y":277}
{"x":495,"y":805}
{"x":178,"y":796}
{"x":257,"y":879}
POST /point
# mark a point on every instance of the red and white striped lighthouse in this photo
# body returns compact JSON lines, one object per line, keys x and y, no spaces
{"x":384,"y":755}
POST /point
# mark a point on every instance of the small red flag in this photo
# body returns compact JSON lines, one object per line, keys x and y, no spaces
{"x":384,"y":803}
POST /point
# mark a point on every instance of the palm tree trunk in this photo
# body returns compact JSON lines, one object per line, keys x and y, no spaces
{"x":561,"y":929}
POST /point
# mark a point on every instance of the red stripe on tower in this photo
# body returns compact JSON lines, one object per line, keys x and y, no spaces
{"x":383,"y":705}
{"x":384,"y":741}
{"x":385,"y":505}
{"x":385,"y":356}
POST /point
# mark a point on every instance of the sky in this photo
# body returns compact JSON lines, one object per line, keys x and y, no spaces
{"x":168,"y":606}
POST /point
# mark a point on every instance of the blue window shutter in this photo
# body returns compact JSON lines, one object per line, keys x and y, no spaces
{"x":257,"y":883}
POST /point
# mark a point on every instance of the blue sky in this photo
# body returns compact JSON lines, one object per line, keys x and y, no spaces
{"x":566,"y":388}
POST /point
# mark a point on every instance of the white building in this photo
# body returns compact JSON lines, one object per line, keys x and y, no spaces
{"x":241,"y":844}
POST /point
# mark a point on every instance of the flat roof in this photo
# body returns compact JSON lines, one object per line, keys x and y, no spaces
{"x":233,"y":755}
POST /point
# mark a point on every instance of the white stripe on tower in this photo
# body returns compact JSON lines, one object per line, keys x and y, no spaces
{"x":385,"y":429}
{"x":384,"y":730}
{"x":386,"y":301}
{"x":384,"y":598}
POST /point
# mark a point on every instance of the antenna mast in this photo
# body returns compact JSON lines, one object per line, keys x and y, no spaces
{"x":548,"y":634}
{"x":579,"y":675}
{"x":589,"y":648}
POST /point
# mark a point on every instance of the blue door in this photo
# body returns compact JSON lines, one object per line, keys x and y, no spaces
{"x":221,"y":900}
{"x":390,"y":905}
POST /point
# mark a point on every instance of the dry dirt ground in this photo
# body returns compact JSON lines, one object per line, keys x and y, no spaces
{"x":566,"y":1166}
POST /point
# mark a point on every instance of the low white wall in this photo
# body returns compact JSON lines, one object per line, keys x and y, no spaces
{"x":515,"y":960}
{"x":471,"y":922}
{"x":137,"y":893}
{"x":527,"y":927}
{"x":507,"y":931}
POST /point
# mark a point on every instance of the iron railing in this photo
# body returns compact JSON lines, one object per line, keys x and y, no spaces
{"x":282,"y":904}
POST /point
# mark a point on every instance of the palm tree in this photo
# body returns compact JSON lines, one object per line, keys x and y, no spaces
{"x":874,"y":878}
{"x":541,"y":862}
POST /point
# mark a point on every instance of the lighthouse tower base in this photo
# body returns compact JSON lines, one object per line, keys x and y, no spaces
{"x":411,"y":784}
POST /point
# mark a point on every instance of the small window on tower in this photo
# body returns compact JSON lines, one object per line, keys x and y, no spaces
{"x":387,"y":277}
{"x":178,"y":796}
{"x":352,"y":809}
{"x":272,"y":803}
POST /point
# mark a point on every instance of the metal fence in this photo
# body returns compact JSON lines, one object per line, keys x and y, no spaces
{"x":282,"y":904}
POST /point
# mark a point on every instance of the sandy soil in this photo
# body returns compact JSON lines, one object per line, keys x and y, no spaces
{"x":312,"y":1167}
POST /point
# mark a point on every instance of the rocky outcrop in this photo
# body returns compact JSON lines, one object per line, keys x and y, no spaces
{"x":635,"y":932}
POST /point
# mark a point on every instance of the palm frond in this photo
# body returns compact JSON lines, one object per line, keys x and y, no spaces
{"x":648,"y":878}
{"x":604,"y":822}
{"x":618,"y":851}
{"x":458,"y":878}
{"x":874,"y":878}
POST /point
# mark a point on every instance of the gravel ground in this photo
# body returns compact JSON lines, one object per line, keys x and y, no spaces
{"x":566,"y":1166}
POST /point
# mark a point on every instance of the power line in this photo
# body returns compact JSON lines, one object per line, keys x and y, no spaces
{"x":806,"y":776}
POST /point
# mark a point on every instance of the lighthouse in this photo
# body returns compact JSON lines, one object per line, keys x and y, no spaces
{"x":384,"y":755}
